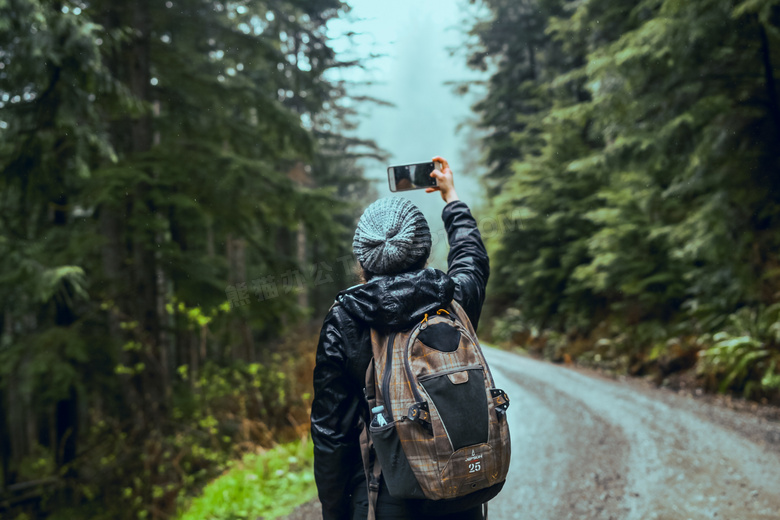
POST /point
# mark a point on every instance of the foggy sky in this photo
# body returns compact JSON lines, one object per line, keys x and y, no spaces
{"x":415,"y":37}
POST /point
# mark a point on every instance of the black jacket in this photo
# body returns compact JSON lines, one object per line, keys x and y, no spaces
{"x":386,"y":303}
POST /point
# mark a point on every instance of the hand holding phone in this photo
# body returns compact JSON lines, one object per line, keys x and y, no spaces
{"x":444,"y":181}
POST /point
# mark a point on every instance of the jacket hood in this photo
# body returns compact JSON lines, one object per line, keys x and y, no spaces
{"x":395,"y":302}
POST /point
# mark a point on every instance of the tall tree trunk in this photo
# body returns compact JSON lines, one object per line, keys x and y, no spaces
{"x":210,"y":236}
{"x":236,"y":253}
{"x":303,"y":296}
{"x":769,"y":78}
{"x":66,"y":416}
{"x":20,"y":417}
{"x":133,"y":137}
{"x":144,"y":272}
{"x":5,"y":434}
{"x":164,"y":286}
{"x":111,"y":224}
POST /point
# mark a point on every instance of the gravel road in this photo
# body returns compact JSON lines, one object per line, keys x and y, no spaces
{"x":588,"y":447}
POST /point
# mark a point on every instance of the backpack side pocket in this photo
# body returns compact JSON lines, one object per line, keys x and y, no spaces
{"x":398,"y":474}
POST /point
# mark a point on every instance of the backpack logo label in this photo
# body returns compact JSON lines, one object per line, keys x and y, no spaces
{"x":474,"y":462}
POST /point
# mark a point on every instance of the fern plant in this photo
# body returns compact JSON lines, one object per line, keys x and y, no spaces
{"x":744,"y":356}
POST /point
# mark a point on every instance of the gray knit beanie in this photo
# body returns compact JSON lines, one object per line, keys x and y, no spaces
{"x":391,"y":236}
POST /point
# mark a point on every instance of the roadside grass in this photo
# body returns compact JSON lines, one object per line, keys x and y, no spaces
{"x":268,"y":485}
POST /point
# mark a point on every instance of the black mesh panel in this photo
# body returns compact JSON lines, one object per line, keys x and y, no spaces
{"x":463,"y":408}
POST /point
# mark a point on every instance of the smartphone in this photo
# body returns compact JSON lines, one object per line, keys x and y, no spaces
{"x":411,"y":176}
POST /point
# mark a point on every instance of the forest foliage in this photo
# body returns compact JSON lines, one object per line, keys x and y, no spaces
{"x":639,"y":143}
{"x":180,"y":185}
{"x":178,"y":190}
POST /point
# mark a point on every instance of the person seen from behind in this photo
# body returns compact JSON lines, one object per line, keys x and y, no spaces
{"x":392,"y":243}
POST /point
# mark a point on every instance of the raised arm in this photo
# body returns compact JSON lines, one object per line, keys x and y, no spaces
{"x":467,"y":261}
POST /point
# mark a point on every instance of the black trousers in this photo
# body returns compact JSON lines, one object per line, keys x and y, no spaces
{"x":389,"y":508}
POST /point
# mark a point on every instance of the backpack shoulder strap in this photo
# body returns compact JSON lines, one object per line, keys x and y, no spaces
{"x":372,"y":469}
{"x":371,"y":465}
{"x":462,"y":316}
{"x":464,"y":319}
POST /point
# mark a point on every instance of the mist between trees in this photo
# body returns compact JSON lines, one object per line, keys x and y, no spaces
{"x":299,"y":281}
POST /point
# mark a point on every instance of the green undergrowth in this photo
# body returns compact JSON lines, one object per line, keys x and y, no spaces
{"x":262,"y":485}
{"x":737,"y":354}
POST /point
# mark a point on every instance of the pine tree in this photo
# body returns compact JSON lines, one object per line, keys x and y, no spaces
{"x":650,"y":194}
{"x":159,"y":159}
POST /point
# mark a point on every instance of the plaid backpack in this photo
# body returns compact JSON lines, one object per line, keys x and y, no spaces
{"x":443,"y":435}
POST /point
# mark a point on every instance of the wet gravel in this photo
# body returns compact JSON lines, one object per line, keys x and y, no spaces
{"x":586,"y":446}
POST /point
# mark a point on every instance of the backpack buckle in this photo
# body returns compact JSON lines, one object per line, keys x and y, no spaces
{"x":500,"y":400}
{"x":421,"y":414}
